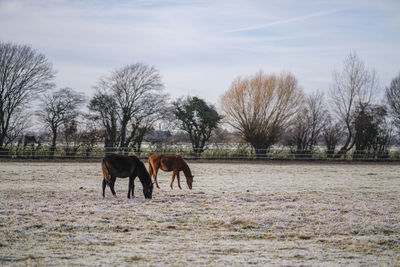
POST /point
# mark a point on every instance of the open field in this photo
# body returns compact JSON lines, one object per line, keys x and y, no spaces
{"x":236,"y":214}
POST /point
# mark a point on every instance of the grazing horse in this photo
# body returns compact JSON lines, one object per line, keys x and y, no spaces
{"x":174,"y":163}
{"x":114,"y":166}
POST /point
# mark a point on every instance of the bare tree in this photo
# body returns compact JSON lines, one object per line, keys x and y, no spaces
{"x":103,"y":108}
{"x":307,"y":126}
{"x":261,"y":106}
{"x":57,"y":109}
{"x":352,"y":88}
{"x":332,"y":133}
{"x":71,"y":136}
{"x":154,"y":108}
{"x":127,"y":103}
{"x":24,"y":73}
{"x":393,"y":98}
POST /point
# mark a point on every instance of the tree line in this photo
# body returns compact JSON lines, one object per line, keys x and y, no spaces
{"x":261,"y":109}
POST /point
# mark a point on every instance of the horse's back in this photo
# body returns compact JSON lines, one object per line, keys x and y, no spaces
{"x":157,"y":157}
{"x":119,"y":165}
{"x":167,"y":162}
{"x":115,"y":158}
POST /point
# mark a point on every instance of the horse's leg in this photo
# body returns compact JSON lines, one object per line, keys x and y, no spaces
{"x":172,"y":179}
{"x":104,"y":186}
{"x":155,"y":176}
{"x":112,"y":185}
{"x":179,"y":180}
{"x":131,"y":186}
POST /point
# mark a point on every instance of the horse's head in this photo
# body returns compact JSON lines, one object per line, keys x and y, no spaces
{"x":189,"y":181}
{"x":148,"y":191}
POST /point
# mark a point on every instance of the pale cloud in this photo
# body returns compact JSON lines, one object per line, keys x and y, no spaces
{"x":284,"y":21}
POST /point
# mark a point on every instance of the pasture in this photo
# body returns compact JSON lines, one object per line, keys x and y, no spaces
{"x":237,"y":214}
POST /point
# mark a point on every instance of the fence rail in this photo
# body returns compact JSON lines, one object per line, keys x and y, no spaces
{"x":62,"y":152}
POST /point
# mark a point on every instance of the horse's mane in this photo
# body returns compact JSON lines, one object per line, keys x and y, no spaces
{"x":186,"y":168}
{"x":142,"y":171}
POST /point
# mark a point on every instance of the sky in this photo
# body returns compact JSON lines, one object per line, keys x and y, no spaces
{"x":200,"y":47}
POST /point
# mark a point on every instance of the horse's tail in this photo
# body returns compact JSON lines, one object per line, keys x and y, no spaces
{"x":106,"y":175}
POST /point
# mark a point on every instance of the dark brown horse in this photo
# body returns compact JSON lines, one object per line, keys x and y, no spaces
{"x":114,"y":166}
{"x":174,"y":163}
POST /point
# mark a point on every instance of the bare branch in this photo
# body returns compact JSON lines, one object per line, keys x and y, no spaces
{"x":24,"y":73}
{"x":129,"y":99}
{"x":352,"y":88}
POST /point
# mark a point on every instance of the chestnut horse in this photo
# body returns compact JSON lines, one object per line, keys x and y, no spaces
{"x":174,"y":163}
{"x":114,"y":166}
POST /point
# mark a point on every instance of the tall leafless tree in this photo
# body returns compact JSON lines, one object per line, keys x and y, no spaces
{"x":127,"y":103}
{"x":58,"y":109}
{"x":393,"y":99}
{"x":307,"y":126}
{"x":261,"y":106}
{"x":352,"y":87}
{"x":24,"y":73}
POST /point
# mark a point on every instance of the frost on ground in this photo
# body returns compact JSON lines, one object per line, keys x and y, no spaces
{"x":237,"y":214}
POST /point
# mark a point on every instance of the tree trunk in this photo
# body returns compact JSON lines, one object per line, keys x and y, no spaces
{"x":345,"y":147}
{"x":53,"y":145}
